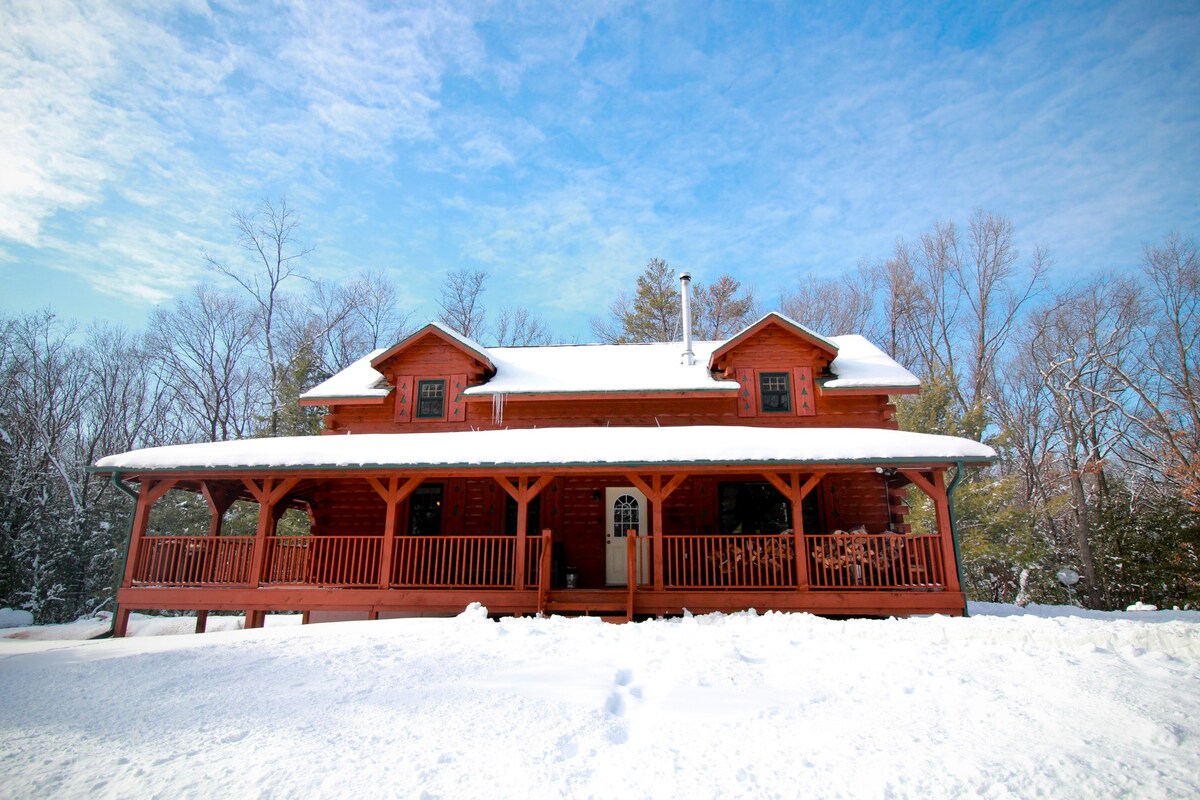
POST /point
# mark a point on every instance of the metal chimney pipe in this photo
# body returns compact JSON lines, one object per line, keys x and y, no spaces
{"x":685,"y":292}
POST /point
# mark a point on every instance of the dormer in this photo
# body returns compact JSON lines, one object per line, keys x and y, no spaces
{"x":776,"y":362}
{"x":429,"y":371}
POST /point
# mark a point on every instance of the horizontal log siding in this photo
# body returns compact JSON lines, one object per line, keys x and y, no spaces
{"x":832,"y":411}
{"x":349,"y":508}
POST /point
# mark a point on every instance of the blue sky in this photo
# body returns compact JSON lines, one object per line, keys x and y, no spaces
{"x":561,"y":146}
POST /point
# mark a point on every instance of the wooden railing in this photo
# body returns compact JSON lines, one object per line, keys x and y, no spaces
{"x":455,"y":561}
{"x":835,"y":561}
{"x":738,"y":561}
{"x":875,"y":561}
{"x":533,"y":560}
{"x":193,"y":560}
{"x":346,"y":561}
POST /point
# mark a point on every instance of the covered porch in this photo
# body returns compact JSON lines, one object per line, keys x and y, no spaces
{"x":657,"y":559}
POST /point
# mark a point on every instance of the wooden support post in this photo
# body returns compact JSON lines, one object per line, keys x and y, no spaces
{"x":121,"y":623}
{"x":523,"y":492}
{"x":201,"y":621}
{"x":657,"y":532}
{"x":219,"y":500}
{"x":933,"y":485}
{"x":147,"y":497}
{"x":393,"y":494}
{"x":268,"y":495}
{"x":795,"y":492}
{"x":656,"y":493}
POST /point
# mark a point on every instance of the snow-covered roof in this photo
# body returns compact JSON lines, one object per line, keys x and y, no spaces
{"x":590,"y":368}
{"x":559,"y":447}
{"x":358,"y":381}
{"x":601,"y":368}
{"x":862,"y":365}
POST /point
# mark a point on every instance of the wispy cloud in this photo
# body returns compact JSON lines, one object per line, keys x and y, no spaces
{"x":569,"y":143}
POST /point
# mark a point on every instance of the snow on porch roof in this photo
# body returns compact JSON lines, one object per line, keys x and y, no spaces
{"x":559,"y":447}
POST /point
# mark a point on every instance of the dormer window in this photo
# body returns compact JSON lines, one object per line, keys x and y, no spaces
{"x":431,"y":399}
{"x":774,"y":392}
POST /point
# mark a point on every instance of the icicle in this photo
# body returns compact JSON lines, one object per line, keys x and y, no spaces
{"x":498,"y":409}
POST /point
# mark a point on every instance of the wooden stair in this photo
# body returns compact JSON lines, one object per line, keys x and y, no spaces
{"x":609,"y":605}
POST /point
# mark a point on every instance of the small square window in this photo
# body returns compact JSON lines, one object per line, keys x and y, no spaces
{"x":774,"y":392}
{"x":431,"y":399}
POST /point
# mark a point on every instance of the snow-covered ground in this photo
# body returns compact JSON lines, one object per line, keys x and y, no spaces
{"x":1009,"y":703}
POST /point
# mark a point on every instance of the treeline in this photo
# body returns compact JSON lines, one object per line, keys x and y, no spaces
{"x":1088,"y":393}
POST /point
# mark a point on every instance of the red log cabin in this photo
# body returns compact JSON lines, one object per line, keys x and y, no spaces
{"x":765,"y":471}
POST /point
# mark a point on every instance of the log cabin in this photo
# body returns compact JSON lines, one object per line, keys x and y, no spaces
{"x":763,"y":471}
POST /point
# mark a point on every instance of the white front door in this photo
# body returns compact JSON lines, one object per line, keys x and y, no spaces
{"x":626,"y":511}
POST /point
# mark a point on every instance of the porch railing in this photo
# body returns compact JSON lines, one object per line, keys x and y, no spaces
{"x":835,"y":561}
{"x":345,"y":561}
{"x":458,"y":561}
{"x":875,"y":561}
{"x":733,"y":562}
{"x":738,"y":561}
{"x":194,"y":560}
{"x":338,"y":561}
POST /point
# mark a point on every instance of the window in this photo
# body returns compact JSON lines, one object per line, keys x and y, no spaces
{"x":533,"y":519}
{"x":425,"y":511}
{"x":627,"y":513}
{"x":431,"y":399}
{"x":753,"y":507}
{"x":774,"y":393}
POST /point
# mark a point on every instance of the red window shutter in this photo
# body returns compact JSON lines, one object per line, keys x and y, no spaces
{"x":456,"y":408}
{"x":747,"y":400}
{"x":404,"y":398}
{"x":805,"y":401}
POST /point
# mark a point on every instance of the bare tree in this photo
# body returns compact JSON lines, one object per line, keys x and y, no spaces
{"x":835,"y":306}
{"x":200,"y":349}
{"x":268,"y":234}
{"x":461,"y":303}
{"x":517,"y":326}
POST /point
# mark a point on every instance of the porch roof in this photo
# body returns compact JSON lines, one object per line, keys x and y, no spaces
{"x":548,"y":448}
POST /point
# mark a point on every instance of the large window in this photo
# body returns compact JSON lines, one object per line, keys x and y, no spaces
{"x":533,"y":520}
{"x":431,"y":399}
{"x":425,"y":510}
{"x":774,"y":392}
{"x":751,"y":507}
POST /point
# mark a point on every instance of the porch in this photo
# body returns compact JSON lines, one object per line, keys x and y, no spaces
{"x":655,"y":524}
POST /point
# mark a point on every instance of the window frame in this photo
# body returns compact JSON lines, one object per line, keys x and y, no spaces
{"x":764,"y":375}
{"x":421,"y":384}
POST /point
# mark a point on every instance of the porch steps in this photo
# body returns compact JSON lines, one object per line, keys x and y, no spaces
{"x":607,"y":604}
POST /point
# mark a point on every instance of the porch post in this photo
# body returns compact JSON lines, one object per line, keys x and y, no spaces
{"x":523,"y":492}
{"x":264,"y":529}
{"x":268,"y":495}
{"x":393,"y":494}
{"x":657,"y":532}
{"x":148,"y":495}
{"x":934,"y":485}
{"x":219,"y":501}
{"x":795,"y":492}
{"x":946,"y":531}
{"x":522,"y":521}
